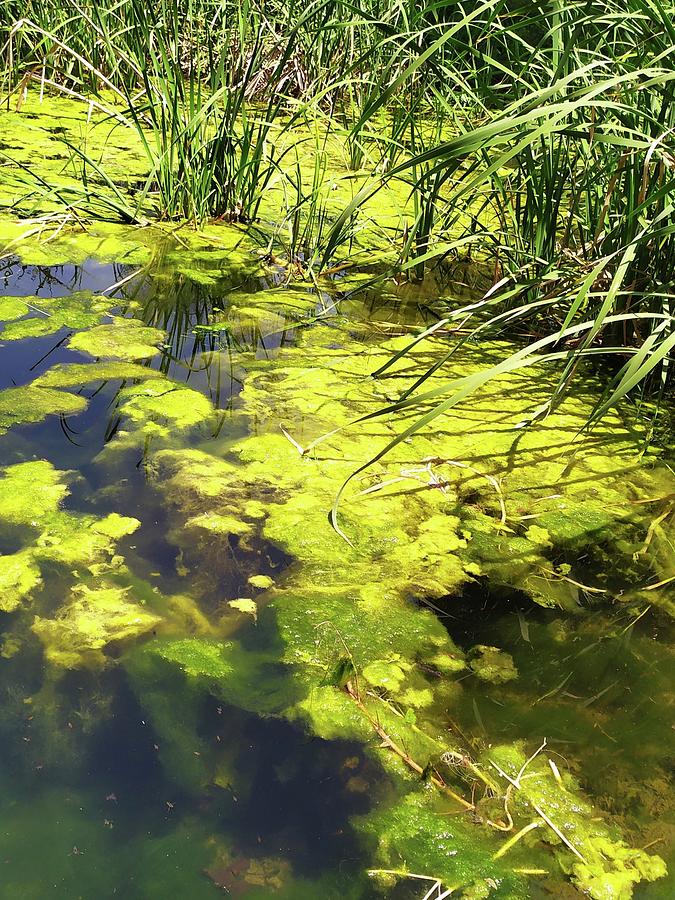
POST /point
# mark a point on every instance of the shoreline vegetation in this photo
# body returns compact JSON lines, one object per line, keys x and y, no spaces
{"x":532,"y":141}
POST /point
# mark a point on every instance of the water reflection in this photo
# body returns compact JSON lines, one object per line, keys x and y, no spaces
{"x":19,"y":280}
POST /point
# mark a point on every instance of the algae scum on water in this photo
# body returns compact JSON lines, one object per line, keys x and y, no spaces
{"x":206,"y":689}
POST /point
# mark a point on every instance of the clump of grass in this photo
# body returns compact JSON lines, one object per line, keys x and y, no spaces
{"x":195,"y":83}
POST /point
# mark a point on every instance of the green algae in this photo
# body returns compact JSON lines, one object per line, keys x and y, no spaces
{"x":492,"y":664}
{"x":173,"y":678}
{"x":227,"y":670}
{"x":152,"y":413}
{"x":71,"y":375}
{"x":19,"y":576}
{"x":93,"y":613}
{"x":414,"y":835}
{"x":422,"y":531}
{"x":48,"y":315}
{"x":317,"y":626}
{"x":261,"y":582}
{"x":172,"y":704}
{"x":165,"y":403}
{"x":28,"y":404}
{"x":602,"y":865}
{"x":12,"y":308}
{"x":385,"y":674}
{"x":405,"y":542}
{"x":31,"y":492}
{"x":410,"y":539}
{"x":531,"y":468}
{"x":91,"y":620}
{"x":55,"y":244}
{"x":31,"y":495}
{"x":205,"y":659}
{"x":219,"y":524}
{"x":121,"y":339}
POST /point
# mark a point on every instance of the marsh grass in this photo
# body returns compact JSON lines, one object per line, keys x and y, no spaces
{"x":201,"y":93}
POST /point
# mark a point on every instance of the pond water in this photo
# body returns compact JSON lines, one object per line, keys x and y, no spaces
{"x":205,"y":690}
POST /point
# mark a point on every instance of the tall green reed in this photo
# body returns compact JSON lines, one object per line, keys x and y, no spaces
{"x":199,"y":91}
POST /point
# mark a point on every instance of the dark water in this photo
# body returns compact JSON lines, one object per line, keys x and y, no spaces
{"x":87,"y":810}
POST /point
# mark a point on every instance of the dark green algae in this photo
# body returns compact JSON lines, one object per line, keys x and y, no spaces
{"x":561,"y":531}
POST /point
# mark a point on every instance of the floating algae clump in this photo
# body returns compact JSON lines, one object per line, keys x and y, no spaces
{"x":165,"y":402}
{"x":384,"y":674}
{"x":27,"y":404}
{"x":19,"y":576}
{"x":218,"y":524}
{"x":198,"y":658}
{"x":314,"y":624}
{"x":469,"y":495}
{"x":80,"y":545}
{"x":121,"y":339}
{"x":492,"y":664}
{"x":414,"y":834}
{"x":30,"y":493}
{"x":92,"y":619}
{"x":602,"y":865}
{"x":70,"y":375}
{"x":12,"y":308}
{"x":49,"y":314}
{"x":152,"y":414}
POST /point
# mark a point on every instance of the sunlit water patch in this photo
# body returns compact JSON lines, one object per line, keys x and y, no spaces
{"x":205,"y":689}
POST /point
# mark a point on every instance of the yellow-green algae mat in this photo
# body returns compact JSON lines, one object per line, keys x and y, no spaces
{"x":343,"y":649}
{"x":44,"y":137}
